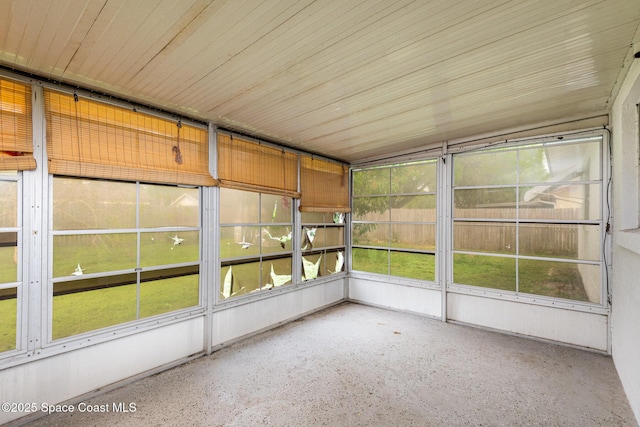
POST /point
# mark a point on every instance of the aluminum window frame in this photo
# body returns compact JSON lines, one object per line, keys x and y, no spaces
{"x":604,"y":213}
{"x":137,"y":270}
{"x":325,"y":249}
{"x":389,"y":222}
{"x":21,"y":307}
{"x":261,"y":256}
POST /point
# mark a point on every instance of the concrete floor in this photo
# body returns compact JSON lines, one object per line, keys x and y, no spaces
{"x":353,"y":365}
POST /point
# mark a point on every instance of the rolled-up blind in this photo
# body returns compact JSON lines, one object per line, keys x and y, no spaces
{"x":89,"y":138}
{"x":251,"y":166}
{"x":16,"y":140}
{"x":324,"y":186}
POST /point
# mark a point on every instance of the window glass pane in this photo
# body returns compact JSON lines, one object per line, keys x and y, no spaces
{"x":275,"y":208}
{"x":79,"y":312}
{"x":8,"y":204}
{"x":492,"y":167}
{"x":532,"y":165}
{"x":492,"y":237}
{"x":413,"y":208}
{"x":414,"y":178}
{"x":83,"y":204}
{"x":413,"y":265}
{"x":169,"y":247}
{"x":334,"y":236}
{"x":312,"y":237}
{"x":239,"y":207}
{"x":93,"y":253}
{"x":276,"y":239}
{"x":413,"y":236}
{"x":565,"y":202}
{"x":8,"y":318}
{"x":371,"y":234}
{"x":166,"y":206}
{"x":561,"y":240}
{"x":371,"y":208}
{"x":239,"y":241}
{"x":163,"y":296}
{"x":561,"y":162}
{"x":370,"y":260}
{"x":312,"y":217}
{"x":336,"y":218}
{"x":485,"y":271}
{"x":560,"y":279}
{"x":239,"y":279}
{"x":312,"y":266}
{"x":276,"y":272}
{"x":485,"y":203}
{"x":121,"y":297}
{"x":8,"y":257}
{"x":244,"y":278}
{"x":333,"y":263}
{"x":371,"y":181}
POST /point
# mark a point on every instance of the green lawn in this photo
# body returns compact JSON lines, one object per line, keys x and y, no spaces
{"x":548,"y":278}
{"x":79,"y":312}
{"x":85,"y":311}
{"x":8,"y":310}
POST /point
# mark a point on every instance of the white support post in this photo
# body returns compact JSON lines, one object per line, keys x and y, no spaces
{"x":36,"y":290}
{"x":443,"y":227}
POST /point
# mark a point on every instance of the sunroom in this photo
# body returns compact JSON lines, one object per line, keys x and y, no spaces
{"x":176,"y":178}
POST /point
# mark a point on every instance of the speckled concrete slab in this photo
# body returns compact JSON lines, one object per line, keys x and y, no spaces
{"x":353,"y":365}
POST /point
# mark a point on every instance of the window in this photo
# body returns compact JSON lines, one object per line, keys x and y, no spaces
{"x":10,"y":259}
{"x":16,"y":154}
{"x":255,"y":241}
{"x":528,"y":219}
{"x":322,"y":244}
{"x":394,"y":220}
{"x":121,"y":251}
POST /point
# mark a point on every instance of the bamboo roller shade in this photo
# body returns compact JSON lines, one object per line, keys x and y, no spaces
{"x":16,"y":140}
{"x":92,"y":139}
{"x":324,"y":186}
{"x":247,"y":165}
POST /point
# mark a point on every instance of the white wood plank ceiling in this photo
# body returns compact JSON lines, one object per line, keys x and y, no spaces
{"x":348,"y":79}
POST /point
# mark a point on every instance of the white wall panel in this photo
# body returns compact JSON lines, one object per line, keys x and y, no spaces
{"x":409,"y":298}
{"x":235,"y":322}
{"x":625,"y":286}
{"x":69,"y":375}
{"x":625,"y":324}
{"x":578,"y":328}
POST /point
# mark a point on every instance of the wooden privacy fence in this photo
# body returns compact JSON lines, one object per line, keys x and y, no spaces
{"x":534,"y":238}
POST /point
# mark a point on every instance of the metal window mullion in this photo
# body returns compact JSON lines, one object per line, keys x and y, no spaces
{"x":517,"y":221}
{"x":528,"y":184}
{"x":210,"y":281}
{"x":605,"y":195}
{"x":530,"y":257}
{"x":260,"y":266}
{"x":480,"y":187}
{"x":137,"y":268}
{"x":445,"y":217}
{"x":389,"y":170}
{"x":89,"y":232}
{"x":20,"y":338}
{"x":528,"y":221}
